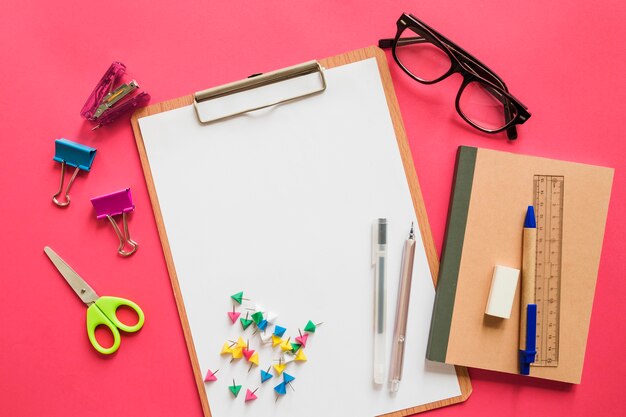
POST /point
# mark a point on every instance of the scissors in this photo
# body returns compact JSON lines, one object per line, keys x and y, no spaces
{"x":102,"y":311}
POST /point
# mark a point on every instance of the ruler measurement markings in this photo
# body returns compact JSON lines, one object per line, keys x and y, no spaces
{"x":549,"y":206}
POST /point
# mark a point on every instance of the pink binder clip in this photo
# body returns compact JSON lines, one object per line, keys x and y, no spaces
{"x":114,"y":95}
{"x":109,"y":205}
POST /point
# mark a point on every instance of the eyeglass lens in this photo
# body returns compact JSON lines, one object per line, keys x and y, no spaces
{"x":484,"y":106}
{"x":479,"y":102}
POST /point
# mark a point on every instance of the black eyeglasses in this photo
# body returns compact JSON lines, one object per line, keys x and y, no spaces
{"x":428,"y":57}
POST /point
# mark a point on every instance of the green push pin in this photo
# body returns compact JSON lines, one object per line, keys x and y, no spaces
{"x":245,"y":323}
{"x":257,"y":317}
{"x":238,"y":297}
{"x":235,"y":389}
{"x":310,"y":327}
{"x":295,"y":347}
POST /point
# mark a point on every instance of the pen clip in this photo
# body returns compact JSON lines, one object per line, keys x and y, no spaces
{"x":379,"y":237}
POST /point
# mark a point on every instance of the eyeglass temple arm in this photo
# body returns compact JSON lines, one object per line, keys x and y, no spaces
{"x":388,"y":42}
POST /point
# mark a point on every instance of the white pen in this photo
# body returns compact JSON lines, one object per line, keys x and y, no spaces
{"x":402,"y":312}
{"x":379,"y":262}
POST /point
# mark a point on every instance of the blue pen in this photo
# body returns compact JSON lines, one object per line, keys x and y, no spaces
{"x":528,"y":308}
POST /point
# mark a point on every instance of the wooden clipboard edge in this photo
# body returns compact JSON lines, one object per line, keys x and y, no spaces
{"x":416,"y":195}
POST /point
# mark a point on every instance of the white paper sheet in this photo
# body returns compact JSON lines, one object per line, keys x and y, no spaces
{"x":279,"y":204}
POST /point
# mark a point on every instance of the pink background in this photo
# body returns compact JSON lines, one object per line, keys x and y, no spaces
{"x":564,"y":59}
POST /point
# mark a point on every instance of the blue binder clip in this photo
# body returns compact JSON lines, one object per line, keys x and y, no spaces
{"x":75,"y":155}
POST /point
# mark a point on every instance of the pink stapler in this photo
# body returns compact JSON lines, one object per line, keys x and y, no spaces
{"x":114,"y":95}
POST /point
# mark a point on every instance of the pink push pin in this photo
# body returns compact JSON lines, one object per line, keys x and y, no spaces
{"x":302,"y":338}
{"x":109,"y":205}
{"x":234,"y":315}
{"x":210,"y":376}
{"x":250,"y":395}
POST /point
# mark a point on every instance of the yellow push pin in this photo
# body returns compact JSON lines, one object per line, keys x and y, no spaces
{"x":276,"y":340}
{"x":300,"y":356}
{"x":280,"y":367}
{"x":227,"y":349}
{"x":285,"y":346}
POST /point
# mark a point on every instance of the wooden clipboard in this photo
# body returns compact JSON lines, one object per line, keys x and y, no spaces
{"x":418,"y":203}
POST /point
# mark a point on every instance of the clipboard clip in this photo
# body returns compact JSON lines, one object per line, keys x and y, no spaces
{"x":113,"y":204}
{"x":114,"y":95}
{"x":238,"y":97}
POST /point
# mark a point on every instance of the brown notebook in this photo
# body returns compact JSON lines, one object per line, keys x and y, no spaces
{"x":491,"y":193}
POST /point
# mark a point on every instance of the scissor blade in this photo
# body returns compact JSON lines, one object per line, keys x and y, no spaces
{"x":80,"y":287}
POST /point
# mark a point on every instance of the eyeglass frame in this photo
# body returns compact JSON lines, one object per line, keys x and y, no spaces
{"x":463,"y":63}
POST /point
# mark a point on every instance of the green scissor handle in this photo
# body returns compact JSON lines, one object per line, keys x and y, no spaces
{"x":103,"y":313}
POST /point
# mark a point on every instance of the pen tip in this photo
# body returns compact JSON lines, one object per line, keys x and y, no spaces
{"x":529,"y":221}
{"x":393,"y":386}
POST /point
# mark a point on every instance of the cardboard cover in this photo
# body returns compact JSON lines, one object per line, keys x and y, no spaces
{"x":500,"y":190}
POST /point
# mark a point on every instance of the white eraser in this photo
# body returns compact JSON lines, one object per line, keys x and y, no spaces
{"x":502,"y":293}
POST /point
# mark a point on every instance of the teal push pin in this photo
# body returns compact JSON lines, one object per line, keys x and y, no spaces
{"x":280,"y":390}
{"x":265,"y":375}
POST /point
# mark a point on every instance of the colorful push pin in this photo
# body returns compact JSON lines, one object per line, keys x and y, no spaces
{"x":265,"y":337}
{"x":254,"y":360}
{"x":233,"y":315}
{"x":250,"y":396}
{"x":287,"y":379}
{"x":247,"y":352}
{"x":279,"y":331}
{"x":227,"y":349}
{"x":280,"y":367}
{"x":285,"y":346}
{"x":113,"y":204}
{"x":241,"y":343}
{"x":75,"y":155}
{"x":257,"y":317}
{"x":265,"y":375}
{"x":302,"y":338}
{"x":234,"y":389}
{"x":288,"y":357}
{"x":237,"y":353}
{"x":300,"y":356}
{"x":276,"y":340}
{"x":238,"y":297}
{"x":210,"y":376}
{"x":262,"y":325}
{"x":245,"y":323}
{"x":310,"y":326}
{"x":280,"y":389}
{"x":295,"y":347}
{"x":271,"y":317}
